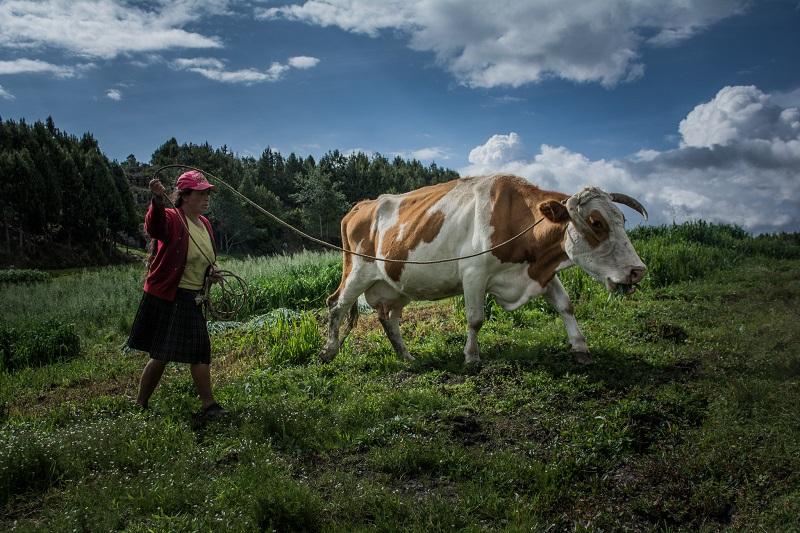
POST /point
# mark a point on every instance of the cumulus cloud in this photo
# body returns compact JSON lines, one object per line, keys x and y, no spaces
{"x":736,"y":114}
{"x":303,"y":62}
{"x":737,"y":163}
{"x":497,"y":151}
{"x":105,"y":28}
{"x":27,"y":66}
{"x":214,"y":69}
{"x":5,"y":95}
{"x":114,"y":94}
{"x":510,"y":43}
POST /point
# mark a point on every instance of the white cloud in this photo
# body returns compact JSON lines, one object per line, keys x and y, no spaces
{"x":430,"y":153}
{"x":114,"y":94}
{"x":511,"y":43}
{"x":199,"y":62}
{"x":747,"y":176}
{"x":737,"y":113}
{"x":498,"y":150}
{"x":303,"y":62}
{"x":28,"y":66}
{"x":5,"y":95}
{"x":105,"y":28}
{"x":214,"y":69}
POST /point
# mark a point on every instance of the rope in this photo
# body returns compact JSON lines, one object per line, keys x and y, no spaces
{"x":339,"y":248}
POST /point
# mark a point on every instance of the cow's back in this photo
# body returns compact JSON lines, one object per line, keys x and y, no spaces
{"x":457,"y":218}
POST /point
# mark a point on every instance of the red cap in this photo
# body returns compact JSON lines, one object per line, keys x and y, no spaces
{"x":193,"y":180}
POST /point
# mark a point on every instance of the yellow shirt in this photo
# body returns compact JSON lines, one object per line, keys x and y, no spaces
{"x":196,"y":263}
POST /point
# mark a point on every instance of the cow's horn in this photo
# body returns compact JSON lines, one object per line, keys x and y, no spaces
{"x":572,"y":208}
{"x":633,"y":203}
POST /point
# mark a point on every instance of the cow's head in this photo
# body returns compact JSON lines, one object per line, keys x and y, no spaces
{"x":595,"y":237}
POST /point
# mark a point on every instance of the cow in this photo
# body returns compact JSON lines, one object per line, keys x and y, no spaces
{"x":468,"y":215}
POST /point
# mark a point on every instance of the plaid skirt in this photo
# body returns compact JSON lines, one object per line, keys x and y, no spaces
{"x":171,"y":331}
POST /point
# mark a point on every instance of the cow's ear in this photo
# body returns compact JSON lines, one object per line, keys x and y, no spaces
{"x":554,"y":211}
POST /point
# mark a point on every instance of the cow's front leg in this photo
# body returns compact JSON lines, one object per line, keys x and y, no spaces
{"x":474,"y":300}
{"x":335,"y":314}
{"x":558,"y":298}
{"x":339,"y":304}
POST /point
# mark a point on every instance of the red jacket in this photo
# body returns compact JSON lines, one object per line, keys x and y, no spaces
{"x":172,"y":245}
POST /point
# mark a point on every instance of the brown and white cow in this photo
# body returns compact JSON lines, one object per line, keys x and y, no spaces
{"x":468,"y":215}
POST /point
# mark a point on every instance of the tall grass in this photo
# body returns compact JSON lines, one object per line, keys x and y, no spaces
{"x":102,"y":302}
{"x":277,"y":339}
{"x":299,"y":281}
{"x":98,"y":302}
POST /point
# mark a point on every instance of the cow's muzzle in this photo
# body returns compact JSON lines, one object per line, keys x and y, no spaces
{"x":628,"y":285}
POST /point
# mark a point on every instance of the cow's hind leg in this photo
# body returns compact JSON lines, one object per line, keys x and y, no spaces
{"x":389,"y":304}
{"x":558,"y":298}
{"x":389,"y":315}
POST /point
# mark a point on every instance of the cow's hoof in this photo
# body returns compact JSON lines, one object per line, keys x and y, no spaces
{"x":582,"y":358}
{"x":473,"y":361}
{"x":326,"y":356}
{"x":408,"y":357}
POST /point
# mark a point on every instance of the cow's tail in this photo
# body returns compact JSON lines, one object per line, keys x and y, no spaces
{"x":352,"y":320}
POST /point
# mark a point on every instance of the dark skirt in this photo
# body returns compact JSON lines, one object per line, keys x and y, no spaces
{"x":171,"y":331}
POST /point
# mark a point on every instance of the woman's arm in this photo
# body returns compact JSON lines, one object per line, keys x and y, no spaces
{"x":156,"y":223}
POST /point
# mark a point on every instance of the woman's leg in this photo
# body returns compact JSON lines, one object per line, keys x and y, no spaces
{"x":150,"y":378}
{"x":201,"y":374}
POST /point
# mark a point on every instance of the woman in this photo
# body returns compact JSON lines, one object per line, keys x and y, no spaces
{"x":169,"y":324}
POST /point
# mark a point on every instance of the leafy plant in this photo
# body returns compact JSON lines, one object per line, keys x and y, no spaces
{"x":42,"y":344}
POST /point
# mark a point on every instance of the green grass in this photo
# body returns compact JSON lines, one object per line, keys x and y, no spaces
{"x":687,"y":420}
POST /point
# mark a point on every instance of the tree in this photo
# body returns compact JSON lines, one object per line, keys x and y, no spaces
{"x":322,"y":201}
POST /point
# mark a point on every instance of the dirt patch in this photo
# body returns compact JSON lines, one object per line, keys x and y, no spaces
{"x":656,"y":330}
{"x":76,"y":391}
{"x":467,"y":429}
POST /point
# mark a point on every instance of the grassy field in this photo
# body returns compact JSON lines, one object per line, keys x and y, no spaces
{"x":687,"y":420}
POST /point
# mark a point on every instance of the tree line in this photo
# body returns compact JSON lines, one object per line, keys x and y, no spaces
{"x":312,"y":195}
{"x":58,"y":191}
{"x":62,"y":202}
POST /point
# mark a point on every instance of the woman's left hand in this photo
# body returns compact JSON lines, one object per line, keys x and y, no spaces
{"x":214,"y":275}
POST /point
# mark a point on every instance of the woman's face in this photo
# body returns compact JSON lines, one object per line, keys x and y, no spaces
{"x":197,"y":201}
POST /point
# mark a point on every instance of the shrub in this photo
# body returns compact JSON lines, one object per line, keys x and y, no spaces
{"x":20,"y":275}
{"x":42,"y":344}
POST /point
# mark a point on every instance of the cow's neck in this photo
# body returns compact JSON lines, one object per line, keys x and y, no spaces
{"x":514,"y":207}
{"x":548,"y":254}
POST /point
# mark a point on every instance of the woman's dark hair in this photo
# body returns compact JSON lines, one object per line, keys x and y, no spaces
{"x":178,"y":197}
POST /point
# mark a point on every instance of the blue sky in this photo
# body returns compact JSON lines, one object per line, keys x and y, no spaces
{"x":690,"y":105}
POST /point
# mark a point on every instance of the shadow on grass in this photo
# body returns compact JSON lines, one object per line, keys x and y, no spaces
{"x":617,"y":370}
